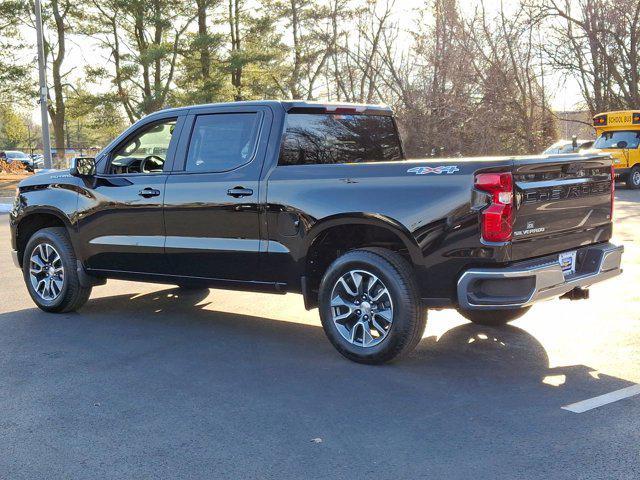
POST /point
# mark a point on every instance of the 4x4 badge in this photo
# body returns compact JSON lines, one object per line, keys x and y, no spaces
{"x":448,"y":169}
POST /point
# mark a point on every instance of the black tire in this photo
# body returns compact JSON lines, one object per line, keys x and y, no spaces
{"x":72,"y":294}
{"x":493,"y":318}
{"x":409,"y":317}
{"x":633,"y":179}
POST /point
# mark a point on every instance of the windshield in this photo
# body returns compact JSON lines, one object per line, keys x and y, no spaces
{"x":619,"y":139}
{"x":560,"y":147}
{"x":17,"y":155}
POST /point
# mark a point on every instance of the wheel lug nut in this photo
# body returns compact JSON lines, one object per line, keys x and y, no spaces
{"x":358,"y":312}
{"x":366,"y":317}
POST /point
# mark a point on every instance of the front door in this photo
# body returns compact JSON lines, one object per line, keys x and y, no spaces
{"x":121,"y":224}
{"x":212,"y":212}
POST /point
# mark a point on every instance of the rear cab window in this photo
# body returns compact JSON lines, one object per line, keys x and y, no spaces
{"x":330,"y":138}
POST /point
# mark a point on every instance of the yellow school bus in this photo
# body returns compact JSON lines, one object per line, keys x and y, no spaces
{"x":618,"y":133}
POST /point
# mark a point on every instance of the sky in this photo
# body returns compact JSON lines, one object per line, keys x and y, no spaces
{"x":564,"y":96}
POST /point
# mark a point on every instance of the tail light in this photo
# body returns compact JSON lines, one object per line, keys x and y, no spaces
{"x":613,"y":190}
{"x":497,"y":218}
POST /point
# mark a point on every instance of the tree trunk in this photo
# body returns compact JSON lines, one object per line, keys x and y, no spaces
{"x":205,"y":54}
{"x":57,"y":114}
{"x":234,"y":26}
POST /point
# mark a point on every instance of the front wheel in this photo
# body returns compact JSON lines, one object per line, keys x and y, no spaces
{"x":50,"y":271}
{"x":370,"y":306}
{"x":633,"y":181}
{"x":493,"y":318}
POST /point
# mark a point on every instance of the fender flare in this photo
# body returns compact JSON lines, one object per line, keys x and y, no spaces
{"x":34,"y":211}
{"x":369,"y":219}
{"x":45,"y":210}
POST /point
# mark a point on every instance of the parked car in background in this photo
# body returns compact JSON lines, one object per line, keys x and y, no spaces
{"x":67,"y":153}
{"x":568,"y":146}
{"x":38,"y":160}
{"x":18,"y":156}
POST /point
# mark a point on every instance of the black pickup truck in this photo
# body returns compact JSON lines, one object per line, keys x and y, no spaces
{"x":318,"y":199}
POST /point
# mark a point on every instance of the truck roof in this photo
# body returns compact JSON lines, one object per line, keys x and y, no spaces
{"x":295,"y":106}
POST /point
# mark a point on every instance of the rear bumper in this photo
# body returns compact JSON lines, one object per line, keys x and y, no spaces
{"x":530,"y":281}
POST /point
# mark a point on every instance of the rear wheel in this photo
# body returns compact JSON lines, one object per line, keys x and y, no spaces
{"x":633,"y":180}
{"x":50,"y":272}
{"x":493,"y":318}
{"x":370,"y":306}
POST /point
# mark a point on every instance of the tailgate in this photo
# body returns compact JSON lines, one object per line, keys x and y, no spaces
{"x":562,"y":202}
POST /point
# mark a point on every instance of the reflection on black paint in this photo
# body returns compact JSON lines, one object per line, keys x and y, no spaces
{"x":330,"y":138}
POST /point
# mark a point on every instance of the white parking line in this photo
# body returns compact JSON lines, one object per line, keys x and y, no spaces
{"x":595,"y":402}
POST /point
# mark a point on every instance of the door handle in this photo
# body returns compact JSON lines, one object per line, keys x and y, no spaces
{"x":149,"y":192}
{"x":237,"y":192}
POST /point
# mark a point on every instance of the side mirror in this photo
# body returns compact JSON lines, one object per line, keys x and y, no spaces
{"x":82,"y":166}
{"x":622,"y":144}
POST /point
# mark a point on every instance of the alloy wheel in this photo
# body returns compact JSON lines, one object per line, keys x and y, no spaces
{"x":361,"y":308}
{"x":46,"y":272}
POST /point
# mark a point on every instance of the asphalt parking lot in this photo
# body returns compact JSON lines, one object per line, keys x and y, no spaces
{"x":147,"y":381}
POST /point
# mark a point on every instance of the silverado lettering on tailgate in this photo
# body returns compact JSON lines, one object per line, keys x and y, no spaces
{"x":566,"y":192}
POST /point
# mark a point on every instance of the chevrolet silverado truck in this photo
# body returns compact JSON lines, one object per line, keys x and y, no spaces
{"x":318,"y":199}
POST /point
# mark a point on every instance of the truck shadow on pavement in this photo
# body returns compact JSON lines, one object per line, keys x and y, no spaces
{"x":147,"y":385}
{"x":466,"y":356}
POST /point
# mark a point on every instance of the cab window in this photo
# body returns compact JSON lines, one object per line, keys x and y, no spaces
{"x":222,"y":141}
{"x":618,"y":139}
{"x":146,"y":152}
{"x":332,"y":138}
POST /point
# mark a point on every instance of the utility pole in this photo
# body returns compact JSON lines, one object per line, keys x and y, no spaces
{"x":42,"y":75}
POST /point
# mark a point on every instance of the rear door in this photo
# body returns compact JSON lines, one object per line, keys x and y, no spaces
{"x":211,"y":206}
{"x":561,"y":201}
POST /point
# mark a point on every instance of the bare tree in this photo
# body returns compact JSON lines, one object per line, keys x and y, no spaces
{"x":357,"y":61}
{"x":596,"y":42}
{"x":431,"y":84}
